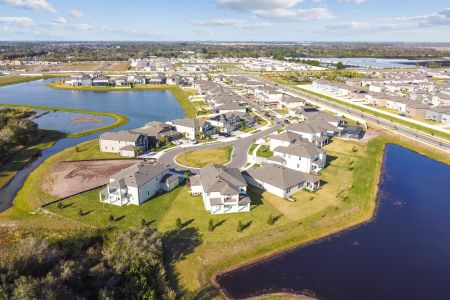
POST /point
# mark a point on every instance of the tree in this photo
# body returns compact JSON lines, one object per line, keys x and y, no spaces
{"x":80,"y":212}
{"x":111,"y":218}
{"x":340,"y":66}
{"x":179,"y":224}
{"x":186,"y":176}
{"x":143,"y":223}
{"x":60,"y":205}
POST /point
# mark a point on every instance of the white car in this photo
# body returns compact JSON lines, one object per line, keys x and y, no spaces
{"x":192,"y":142}
{"x":177,"y":142}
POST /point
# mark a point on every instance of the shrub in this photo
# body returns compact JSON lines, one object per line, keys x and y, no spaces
{"x":60,"y":205}
{"x":240,"y":226}
{"x":270,"y":220}
{"x":179,"y":224}
{"x":111,"y":218}
{"x":80,"y":212}
{"x":211,"y":225}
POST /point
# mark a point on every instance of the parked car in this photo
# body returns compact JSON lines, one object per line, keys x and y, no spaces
{"x":192,"y":142}
{"x":177,"y":142}
{"x":287,"y":122}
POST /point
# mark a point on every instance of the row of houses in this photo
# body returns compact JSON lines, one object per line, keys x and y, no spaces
{"x":101,"y":80}
{"x":426,"y":105}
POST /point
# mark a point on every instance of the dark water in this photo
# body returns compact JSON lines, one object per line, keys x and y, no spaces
{"x":140,"y":107}
{"x":404,"y":253}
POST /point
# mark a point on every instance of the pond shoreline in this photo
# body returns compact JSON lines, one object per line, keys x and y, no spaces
{"x":319,"y":239}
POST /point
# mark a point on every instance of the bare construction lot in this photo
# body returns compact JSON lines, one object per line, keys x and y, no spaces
{"x":69,"y":178}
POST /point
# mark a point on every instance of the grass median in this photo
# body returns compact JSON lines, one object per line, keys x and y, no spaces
{"x":205,"y":157}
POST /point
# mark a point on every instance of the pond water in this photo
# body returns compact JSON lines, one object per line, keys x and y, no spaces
{"x":403,"y":253}
{"x":141,"y":106}
{"x":69,"y":122}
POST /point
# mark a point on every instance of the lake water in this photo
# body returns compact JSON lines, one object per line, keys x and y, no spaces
{"x":403,"y":253}
{"x":69,"y":122}
{"x":141,"y":106}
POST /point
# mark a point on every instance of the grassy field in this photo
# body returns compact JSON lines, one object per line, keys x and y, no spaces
{"x":82,"y":66}
{"x":346,"y":198}
{"x":19,"y":160}
{"x":264,"y":151}
{"x":252,"y":148}
{"x":399,"y":120}
{"x":117,"y":66}
{"x":201,"y":158}
{"x":32,"y":194}
{"x":13,"y":79}
{"x":182,"y":95}
{"x":119,"y":119}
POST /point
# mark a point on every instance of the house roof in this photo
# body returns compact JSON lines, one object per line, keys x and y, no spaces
{"x":187,"y":122}
{"x":315,"y":126}
{"x":123,"y":135}
{"x":300,"y":149}
{"x":279,"y":176}
{"x":287,"y":136}
{"x":140,"y":173}
{"x":218,"y":178}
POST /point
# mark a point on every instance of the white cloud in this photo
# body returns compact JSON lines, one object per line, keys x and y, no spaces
{"x":281,"y":10}
{"x":440,"y":18}
{"x":40,"y":5}
{"x":22,"y":21}
{"x":351,"y":1}
{"x":61,"y":21}
{"x":82,"y":26}
{"x":77,"y":14}
{"x":231,"y":23}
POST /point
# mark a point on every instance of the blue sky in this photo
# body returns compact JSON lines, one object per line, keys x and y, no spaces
{"x":226,"y":20}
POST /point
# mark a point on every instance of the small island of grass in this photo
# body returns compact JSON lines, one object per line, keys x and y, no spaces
{"x":201,"y":158}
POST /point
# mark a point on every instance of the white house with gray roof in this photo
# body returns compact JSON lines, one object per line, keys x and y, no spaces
{"x":138,"y":183}
{"x":189,"y":127}
{"x":280,"y":180}
{"x":224,"y":190}
{"x":301,"y":156}
{"x":125,"y":143}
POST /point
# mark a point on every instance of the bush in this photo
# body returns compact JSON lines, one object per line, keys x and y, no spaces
{"x":111,"y":218}
{"x":179,"y":224}
{"x":80,"y":212}
{"x":60,"y":205}
{"x":240,"y":226}
{"x":211,"y":225}
{"x":270,"y":220}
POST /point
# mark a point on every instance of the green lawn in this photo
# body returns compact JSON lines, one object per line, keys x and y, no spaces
{"x":252,"y":148}
{"x":264,"y":151}
{"x":13,"y":79}
{"x":119,"y":119}
{"x":19,"y":160}
{"x":205,"y":157}
{"x":346,"y":198}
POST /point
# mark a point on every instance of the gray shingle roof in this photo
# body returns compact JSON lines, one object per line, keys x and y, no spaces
{"x":140,"y":173}
{"x":217,"y":178}
{"x":279,"y":176}
{"x":123,"y":135}
{"x":301,"y":149}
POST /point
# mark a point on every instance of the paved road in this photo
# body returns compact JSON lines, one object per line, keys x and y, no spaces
{"x":240,"y":149}
{"x":394,"y":127}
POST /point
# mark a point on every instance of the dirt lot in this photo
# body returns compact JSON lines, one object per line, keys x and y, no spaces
{"x":69,"y":178}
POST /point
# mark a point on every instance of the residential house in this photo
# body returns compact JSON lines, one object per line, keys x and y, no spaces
{"x":125,"y":143}
{"x":317,"y":132}
{"x":138,"y":183}
{"x":352,"y":132}
{"x":224,"y":190}
{"x":230,"y":108}
{"x":301,"y":156}
{"x":292,"y":102}
{"x":158,"y":131}
{"x":376,"y":99}
{"x":283,"y":139}
{"x":226,"y":123}
{"x":279,"y":180}
{"x":415,"y":109}
{"x":441,"y":99}
{"x":101,"y":81}
{"x":191,"y":127}
{"x":438,"y":114}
